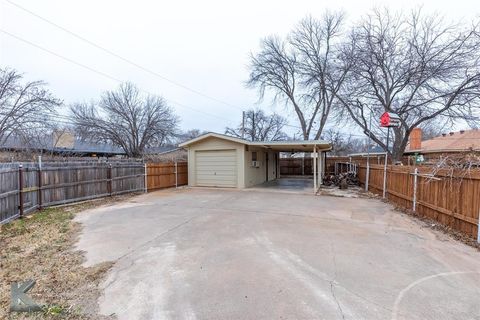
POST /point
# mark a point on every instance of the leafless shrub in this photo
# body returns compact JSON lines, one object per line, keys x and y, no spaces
{"x":458,"y":165}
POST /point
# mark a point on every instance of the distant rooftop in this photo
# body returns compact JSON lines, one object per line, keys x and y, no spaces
{"x":462,"y":140}
{"x":77,"y":147}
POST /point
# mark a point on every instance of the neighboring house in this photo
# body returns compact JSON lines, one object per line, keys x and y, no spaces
{"x":217,"y":160}
{"x":63,"y":144}
{"x":446,"y":144}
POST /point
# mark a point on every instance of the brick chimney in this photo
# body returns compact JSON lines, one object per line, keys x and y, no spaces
{"x":416,"y":139}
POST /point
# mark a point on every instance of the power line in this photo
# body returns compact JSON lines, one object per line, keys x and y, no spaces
{"x":110,"y":52}
{"x":100,"y":72}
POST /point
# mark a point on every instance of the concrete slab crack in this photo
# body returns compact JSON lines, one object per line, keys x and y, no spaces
{"x":332,"y":282}
{"x":332,"y":290}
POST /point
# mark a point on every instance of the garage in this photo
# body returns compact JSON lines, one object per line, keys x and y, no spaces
{"x":216,"y":168}
{"x":218,"y":160}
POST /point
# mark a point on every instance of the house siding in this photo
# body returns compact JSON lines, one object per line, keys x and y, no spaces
{"x":211,"y":144}
{"x":253,"y":175}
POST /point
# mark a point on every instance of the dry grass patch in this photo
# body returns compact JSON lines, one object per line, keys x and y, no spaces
{"x":40,"y":247}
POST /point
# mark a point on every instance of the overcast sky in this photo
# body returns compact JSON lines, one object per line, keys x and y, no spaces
{"x":203,"y":45}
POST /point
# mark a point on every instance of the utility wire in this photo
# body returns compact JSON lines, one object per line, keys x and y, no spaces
{"x":101,"y":73}
{"x":110,"y":52}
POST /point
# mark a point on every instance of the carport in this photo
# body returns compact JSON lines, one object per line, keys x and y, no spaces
{"x":317,"y":148}
{"x":217,"y":160}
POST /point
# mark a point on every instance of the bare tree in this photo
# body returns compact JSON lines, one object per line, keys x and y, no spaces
{"x":343,"y":143}
{"x":257,"y":126}
{"x":302,"y":70}
{"x":25,"y":108}
{"x":189,"y":134}
{"x":127,"y":119}
{"x":414,"y":65}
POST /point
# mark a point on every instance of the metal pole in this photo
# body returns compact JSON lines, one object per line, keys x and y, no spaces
{"x":109,"y":179}
{"x":145,"y":177}
{"x":367,"y":178}
{"x":39,"y":178}
{"x":176,"y":175}
{"x":243,"y":124}
{"x":385,"y":167}
{"x":20,"y":190}
{"x":415,"y":178}
{"x":254,"y":129}
{"x":320,"y":169}
{"x":314,"y":170}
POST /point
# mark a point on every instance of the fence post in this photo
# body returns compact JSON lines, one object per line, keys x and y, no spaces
{"x":109,"y":179}
{"x":39,"y":178}
{"x":20,"y":190}
{"x":176,"y":175}
{"x":478,"y":227}
{"x":303,"y":164}
{"x":367,"y":177}
{"x":415,"y":178}
{"x":145,"y":177}
{"x":385,"y":176}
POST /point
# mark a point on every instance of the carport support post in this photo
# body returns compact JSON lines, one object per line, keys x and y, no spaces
{"x":320,"y":168}
{"x":314,"y":160}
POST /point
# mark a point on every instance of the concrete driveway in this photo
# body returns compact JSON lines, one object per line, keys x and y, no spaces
{"x":230,"y":254}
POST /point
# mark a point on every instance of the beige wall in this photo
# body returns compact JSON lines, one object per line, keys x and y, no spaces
{"x":213,"y":143}
{"x":247,"y":175}
{"x":272,"y":169}
{"x":254,"y":176}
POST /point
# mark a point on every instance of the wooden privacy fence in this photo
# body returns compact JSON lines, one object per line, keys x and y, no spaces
{"x":26,"y":187}
{"x":164,"y":175}
{"x":452,"y":200}
{"x":296,"y":166}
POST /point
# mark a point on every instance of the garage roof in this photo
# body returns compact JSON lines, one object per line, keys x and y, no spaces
{"x":283,"y":146}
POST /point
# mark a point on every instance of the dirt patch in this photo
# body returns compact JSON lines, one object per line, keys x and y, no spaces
{"x":357,"y":192}
{"x":430,"y":223}
{"x":40,"y":247}
{"x":435,"y":225}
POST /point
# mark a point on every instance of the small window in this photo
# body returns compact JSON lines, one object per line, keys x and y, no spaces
{"x":254,"y":156}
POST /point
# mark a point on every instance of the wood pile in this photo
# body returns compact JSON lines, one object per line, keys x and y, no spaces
{"x":342,"y":180}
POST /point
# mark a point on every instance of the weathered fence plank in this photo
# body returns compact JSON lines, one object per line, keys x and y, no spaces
{"x":296,"y":166}
{"x":27,"y":187}
{"x":452,"y":200}
{"x":162,"y":175}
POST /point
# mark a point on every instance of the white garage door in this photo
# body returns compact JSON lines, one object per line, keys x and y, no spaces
{"x":216,"y":168}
